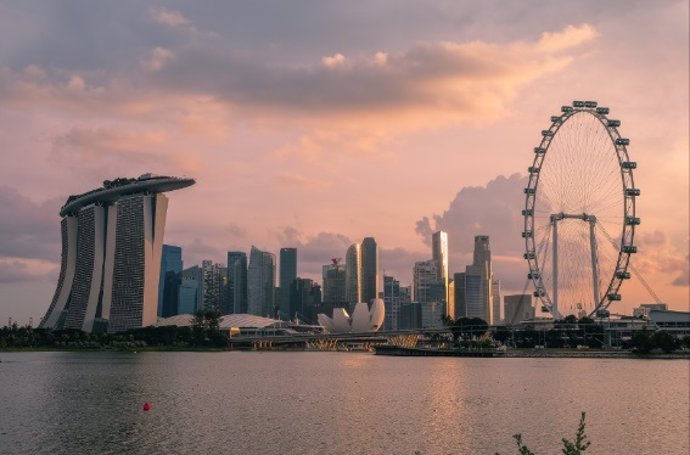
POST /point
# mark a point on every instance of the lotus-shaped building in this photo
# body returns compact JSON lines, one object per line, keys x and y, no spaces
{"x":365,"y":318}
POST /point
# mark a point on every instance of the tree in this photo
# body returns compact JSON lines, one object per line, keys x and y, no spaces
{"x":664,"y":341}
{"x":641,"y":342}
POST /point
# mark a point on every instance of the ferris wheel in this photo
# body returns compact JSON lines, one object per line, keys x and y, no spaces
{"x":579,"y":216}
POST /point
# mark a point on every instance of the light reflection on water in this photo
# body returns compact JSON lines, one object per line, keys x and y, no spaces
{"x":336,"y":403}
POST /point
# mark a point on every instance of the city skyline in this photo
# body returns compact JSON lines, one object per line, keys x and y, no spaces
{"x":358,"y":157}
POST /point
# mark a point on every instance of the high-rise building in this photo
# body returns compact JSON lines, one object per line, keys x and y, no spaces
{"x":288,"y":274}
{"x":451,"y":300}
{"x":430,"y":293}
{"x":439,"y":251}
{"x":410,"y":317}
{"x":190,"y":294}
{"x":460,"y":307}
{"x":479,"y":287}
{"x":237,"y":282}
{"x":391,"y":302}
{"x":169,"y":281}
{"x":518,"y":308}
{"x":112,"y":241}
{"x":334,"y":284}
{"x":261,"y":283}
{"x":497,"y":311}
{"x":306,"y":296}
{"x":353,"y":274}
{"x":370,"y":270}
{"x":213,"y":283}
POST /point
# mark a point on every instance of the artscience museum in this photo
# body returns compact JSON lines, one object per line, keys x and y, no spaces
{"x":365,"y":318}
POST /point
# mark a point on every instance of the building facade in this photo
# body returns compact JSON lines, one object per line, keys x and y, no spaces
{"x":169,"y":281}
{"x":237,"y":282}
{"x":261,"y":283}
{"x":334,"y":293}
{"x":288,"y":274}
{"x":392,"y":302}
{"x":517,"y":307}
{"x":112,"y":240}
{"x":353,"y":274}
{"x":430,"y":293}
{"x":306,"y":296}
{"x":370,"y":270}
{"x":497,"y":302}
{"x":190,"y":294}
{"x":439,"y":253}
{"x":474,"y":289}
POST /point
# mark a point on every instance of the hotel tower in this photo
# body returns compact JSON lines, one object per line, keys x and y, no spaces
{"x":112,"y":239}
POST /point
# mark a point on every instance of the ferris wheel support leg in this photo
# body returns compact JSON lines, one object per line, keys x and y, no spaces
{"x":554,"y":306}
{"x":595,"y":272}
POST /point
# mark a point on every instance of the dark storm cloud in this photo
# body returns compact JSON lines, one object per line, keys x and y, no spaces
{"x":28,"y":229}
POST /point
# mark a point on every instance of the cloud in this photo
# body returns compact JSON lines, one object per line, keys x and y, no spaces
{"x":493,"y":210}
{"x":455,"y":81}
{"x":21,"y":270}
{"x":171,"y":18}
{"x":157,"y":58}
{"x":398,"y":263}
{"x":29,"y":230}
{"x":658,"y":255}
{"x":300,"y":181}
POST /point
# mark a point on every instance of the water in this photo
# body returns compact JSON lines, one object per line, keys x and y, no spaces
{"x":335,"y":403}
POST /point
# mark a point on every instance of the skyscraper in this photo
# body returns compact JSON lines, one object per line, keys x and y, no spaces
{"x":288,"y":274}
{"x":370,"y":270}
{"x":306,"y":296}
{"x":261,"y":283}
{"x":112,"y":241}
{"x":430,"y":293}
{"x":353,"y":274}
{"x":460,"y":307}
{"x":169,"y":282}
{"x":497,"y":307}
{"x":190,"y":296}
{"x":333,"y":286}
{"x":392,"y":302}
{"x":237,"y":281}
{"x":478,"y":295}
{"x":439,"y":253}
{"x":213,"y":280}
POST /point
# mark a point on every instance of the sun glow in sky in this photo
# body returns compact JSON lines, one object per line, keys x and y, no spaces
{"x":315,"y":125}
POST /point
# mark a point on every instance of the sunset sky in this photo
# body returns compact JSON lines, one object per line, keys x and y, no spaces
{"x":314,"y":124}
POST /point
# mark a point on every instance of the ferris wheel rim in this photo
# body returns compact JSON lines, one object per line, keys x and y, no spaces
{"x":626,"y":247}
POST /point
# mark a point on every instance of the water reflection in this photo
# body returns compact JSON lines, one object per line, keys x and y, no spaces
{"x":336,"y":403}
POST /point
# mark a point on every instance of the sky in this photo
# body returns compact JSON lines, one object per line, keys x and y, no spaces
{"x":314,"y":124}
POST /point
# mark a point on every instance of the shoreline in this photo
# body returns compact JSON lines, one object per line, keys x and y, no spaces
{"x":415,"y":352}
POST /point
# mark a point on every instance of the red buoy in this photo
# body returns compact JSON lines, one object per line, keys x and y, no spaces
{"x":147,"y":406}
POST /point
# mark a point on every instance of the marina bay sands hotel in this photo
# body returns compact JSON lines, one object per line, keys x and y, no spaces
{"x":112,"y":239}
